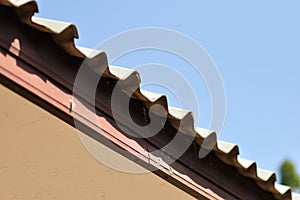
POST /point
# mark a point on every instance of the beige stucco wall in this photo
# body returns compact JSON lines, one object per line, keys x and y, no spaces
{"x":41,"y":157}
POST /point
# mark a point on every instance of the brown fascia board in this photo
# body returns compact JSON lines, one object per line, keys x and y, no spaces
{"x":224,"y":172}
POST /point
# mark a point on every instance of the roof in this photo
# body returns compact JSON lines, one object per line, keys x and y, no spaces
{"x":63,"y":34}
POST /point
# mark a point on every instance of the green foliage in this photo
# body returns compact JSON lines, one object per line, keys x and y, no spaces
{"x":289,"y":175}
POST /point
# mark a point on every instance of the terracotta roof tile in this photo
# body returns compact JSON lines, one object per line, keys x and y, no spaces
{"x":64,"y":33}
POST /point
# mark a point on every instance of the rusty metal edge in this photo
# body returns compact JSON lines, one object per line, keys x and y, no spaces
{"x":59,"y":106}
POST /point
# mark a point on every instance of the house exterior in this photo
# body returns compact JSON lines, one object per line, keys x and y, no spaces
{"x":43,"y":156}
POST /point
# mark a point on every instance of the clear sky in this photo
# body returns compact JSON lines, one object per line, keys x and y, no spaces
{"x":255,"y":45}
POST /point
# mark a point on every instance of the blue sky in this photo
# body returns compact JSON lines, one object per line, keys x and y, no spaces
{"x":255,"y":45}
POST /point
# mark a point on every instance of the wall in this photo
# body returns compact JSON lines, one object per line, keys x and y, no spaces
{"x":43,"y":158}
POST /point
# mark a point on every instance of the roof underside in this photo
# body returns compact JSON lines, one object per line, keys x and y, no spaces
{"x":63,"y":35}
